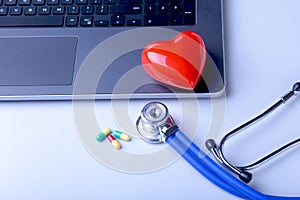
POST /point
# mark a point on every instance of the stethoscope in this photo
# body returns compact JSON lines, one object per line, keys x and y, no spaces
{"x":156,"y":125}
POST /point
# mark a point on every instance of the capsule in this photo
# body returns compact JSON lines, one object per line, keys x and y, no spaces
{"x":103,"y":134}
{"x":121,"y":135}
{"x":114,"y":141}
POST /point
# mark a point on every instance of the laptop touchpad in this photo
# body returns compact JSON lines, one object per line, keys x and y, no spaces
{"x":37,"y":61}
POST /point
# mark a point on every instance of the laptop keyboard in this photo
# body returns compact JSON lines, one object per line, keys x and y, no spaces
{"x":96,"y":13}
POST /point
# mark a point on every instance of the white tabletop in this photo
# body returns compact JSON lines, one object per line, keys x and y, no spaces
{"x":43,"y":156}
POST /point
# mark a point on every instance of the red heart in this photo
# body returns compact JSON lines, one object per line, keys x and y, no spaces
{"x":178,"y":62}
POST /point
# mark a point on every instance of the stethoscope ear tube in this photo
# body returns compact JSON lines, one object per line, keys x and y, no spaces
{"x":242,"y":171}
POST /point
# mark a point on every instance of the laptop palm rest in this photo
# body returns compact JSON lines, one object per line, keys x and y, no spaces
{"x":37,"y":61}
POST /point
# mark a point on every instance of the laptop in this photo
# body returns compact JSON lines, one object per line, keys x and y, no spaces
{"x":83,"y":49}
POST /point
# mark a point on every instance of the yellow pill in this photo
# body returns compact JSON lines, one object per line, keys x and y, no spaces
{"x":121,"y":135}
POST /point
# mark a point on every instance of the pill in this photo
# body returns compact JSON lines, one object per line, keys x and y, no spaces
{"x":114,"y":141}
{"x":103,"y":134}
{"x":121,"y":135}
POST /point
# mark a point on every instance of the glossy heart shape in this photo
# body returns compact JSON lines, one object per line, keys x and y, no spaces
{"x":178,"y":62}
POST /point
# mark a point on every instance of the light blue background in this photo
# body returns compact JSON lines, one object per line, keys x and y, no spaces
{"x":42,"y":157}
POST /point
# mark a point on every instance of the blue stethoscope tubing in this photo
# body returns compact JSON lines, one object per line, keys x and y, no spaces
{"x":212,"y":171}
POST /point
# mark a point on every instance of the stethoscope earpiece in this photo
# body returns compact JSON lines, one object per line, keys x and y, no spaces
{"x":296,"y":87}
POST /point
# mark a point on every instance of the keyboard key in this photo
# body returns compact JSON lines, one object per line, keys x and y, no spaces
{"x":133,"y":22}
{"x":126,"y":9}
{"x":117,"y":20}
{"x":44,"y":10}
{"x":150,"y":9}
{"x":86,"y":21}
{"x":30,"y":21}
{"x":53,"y":2}
{"x":58,"y":10}
{"x":109,"y":1}
{"x":24,"y":2}
{"x":175,"y":8}
{"x":3,"y":11}
{"x":80,"y":2}
{"x":66,"y":2}
{"x":38,"y":2}
{"x":31,"y":10}
{"x":156,"y":20}
{"x":73,"y":10}
{"x":15,"y":10}
{"x":10,"y":2}
{"x":189,"y":13}
{"x":118,"y":17}
{"x":101,"y":10}
{"x":71,"y":20}
{"x":101,"y":22}
{"x":129,"y":1}
{"x":87,"y":10}
{"x":95,"y":2}
{"x":150,"y":1}
{"x":163,"y":8}
{"x":176,"y":19}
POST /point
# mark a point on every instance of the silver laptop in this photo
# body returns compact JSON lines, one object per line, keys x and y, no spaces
{"x":82,"y":49}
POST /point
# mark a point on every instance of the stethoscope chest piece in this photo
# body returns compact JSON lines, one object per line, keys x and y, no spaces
{"x":153,"y":120}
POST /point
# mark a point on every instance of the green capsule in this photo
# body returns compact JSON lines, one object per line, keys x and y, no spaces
{"x":121,"y":135}
{"x":103,"y":134}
